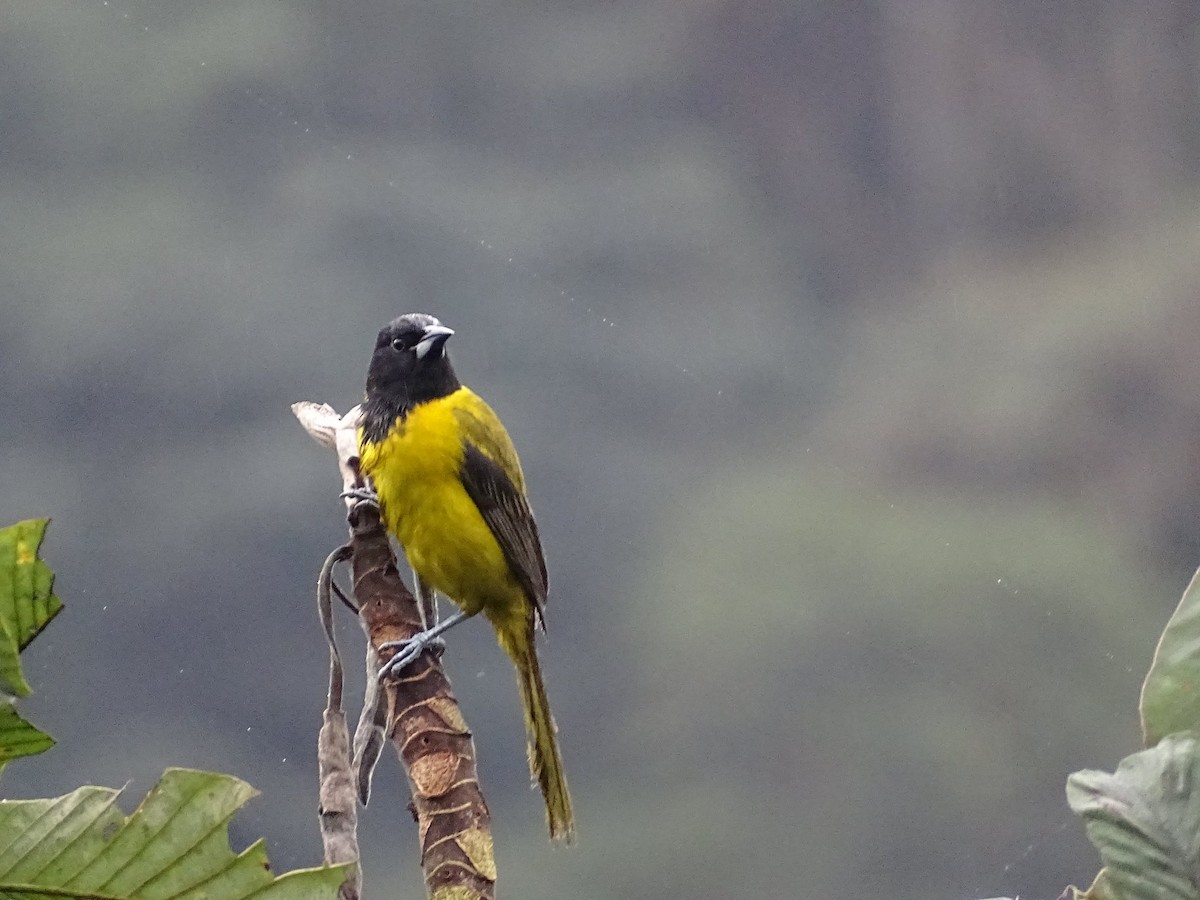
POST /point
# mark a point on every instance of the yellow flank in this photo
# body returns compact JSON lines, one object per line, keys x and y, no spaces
{"x":416,"y":474}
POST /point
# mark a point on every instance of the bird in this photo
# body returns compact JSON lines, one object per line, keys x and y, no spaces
{"x":450,"y":489}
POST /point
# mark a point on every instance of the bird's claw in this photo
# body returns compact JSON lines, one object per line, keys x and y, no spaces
{"x":362,"y":495}
{"x":408,"y":651}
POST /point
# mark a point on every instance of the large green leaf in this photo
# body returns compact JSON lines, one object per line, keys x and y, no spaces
{"x":1171,"y":692}
{"x":1145,"y":820}
{"x":27,"y":602}
{"x":174,"y":845}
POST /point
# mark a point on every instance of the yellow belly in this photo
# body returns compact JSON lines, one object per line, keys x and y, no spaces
{"x":448,"y":544}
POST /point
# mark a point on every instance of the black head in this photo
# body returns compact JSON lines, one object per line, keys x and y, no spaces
{"x":409,"y":366}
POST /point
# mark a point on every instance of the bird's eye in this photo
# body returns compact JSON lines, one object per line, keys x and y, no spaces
{"x":398,"y":345}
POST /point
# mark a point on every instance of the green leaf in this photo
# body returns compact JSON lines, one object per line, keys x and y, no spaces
{"x":27,"y":602}
{"x":18,"y":737}
{"x":175,"y":845}
{"x":1145,"y":820}
{"x":1171,"y":692}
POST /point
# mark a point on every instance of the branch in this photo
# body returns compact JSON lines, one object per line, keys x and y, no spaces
{"x":418,"y":711}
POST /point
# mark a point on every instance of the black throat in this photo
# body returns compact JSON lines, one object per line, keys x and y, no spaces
{"x":389,"y":400}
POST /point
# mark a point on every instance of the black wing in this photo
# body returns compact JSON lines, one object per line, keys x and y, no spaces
{"x":508,"y":515}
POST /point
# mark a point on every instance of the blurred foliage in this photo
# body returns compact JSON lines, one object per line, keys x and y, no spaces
{"x":853,"y":650}
{"x":1064,"y":370}
{"x":948,"y":249}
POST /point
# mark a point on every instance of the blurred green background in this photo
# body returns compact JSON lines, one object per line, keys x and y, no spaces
{"x":850,"y":350}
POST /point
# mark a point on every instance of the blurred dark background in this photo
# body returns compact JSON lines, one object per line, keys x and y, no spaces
{"x":850,"y":349}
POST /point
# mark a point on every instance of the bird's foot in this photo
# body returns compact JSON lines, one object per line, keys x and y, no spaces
{"x":362,"y":495}
{"x":408,"y":651}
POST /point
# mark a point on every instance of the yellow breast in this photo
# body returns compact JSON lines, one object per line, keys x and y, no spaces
{"x":425,"y":506}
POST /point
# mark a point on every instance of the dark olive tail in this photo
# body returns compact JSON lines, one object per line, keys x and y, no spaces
{"x":545,"y":763}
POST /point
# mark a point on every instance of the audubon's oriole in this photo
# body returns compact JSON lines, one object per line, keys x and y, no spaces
{"x":451,"y":491}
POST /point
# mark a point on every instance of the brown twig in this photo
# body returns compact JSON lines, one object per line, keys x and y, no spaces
{"x":423,"y":720}
{"x":337,"y":809}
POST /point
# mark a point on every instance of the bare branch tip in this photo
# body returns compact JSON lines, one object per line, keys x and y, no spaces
{"x":320,"y":420}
